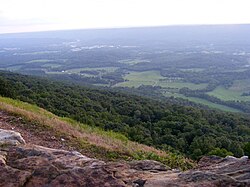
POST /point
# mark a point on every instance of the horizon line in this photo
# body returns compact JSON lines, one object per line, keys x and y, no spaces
{"x":124,"y":27}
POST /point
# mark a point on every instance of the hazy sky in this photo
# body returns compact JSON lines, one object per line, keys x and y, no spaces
{"x":36,"y":15}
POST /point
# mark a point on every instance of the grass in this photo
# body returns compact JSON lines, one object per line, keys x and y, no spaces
{"x":12,"y":68}
{"x":153,"y":78}
{"x":136,"y":79}
{"x":132,"y":62}
{"x":51,"y":65}
{"x":106,"y":145}
{"x":204,"y":102}
{"x":231,"y":94}
{"x":191,"y":70}
{"x":39,"y":61}
{"x":241,"y":85}
{"x":101,"y":69}
{"x":38,"y":53}
{"x":179,"y":85}
{"x":213,"y":105}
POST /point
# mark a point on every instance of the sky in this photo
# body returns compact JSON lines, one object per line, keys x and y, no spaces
{"x":42,"y":15}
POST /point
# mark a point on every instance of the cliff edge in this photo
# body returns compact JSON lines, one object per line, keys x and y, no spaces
{"x":27,"y":164}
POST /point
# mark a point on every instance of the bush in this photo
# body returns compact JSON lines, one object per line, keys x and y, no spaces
{"x":220,"y":152}
{"x":246,"y":149}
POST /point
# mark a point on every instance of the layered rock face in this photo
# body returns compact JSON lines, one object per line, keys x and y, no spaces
{"x":32,"y":165}
{"x":212,"y":171}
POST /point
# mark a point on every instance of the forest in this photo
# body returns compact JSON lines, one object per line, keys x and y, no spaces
{"x":191,"y":131}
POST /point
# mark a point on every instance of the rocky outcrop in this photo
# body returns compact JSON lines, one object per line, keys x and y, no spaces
{"x":212,"y":171}
{"x":148,"y":165}
{"x":8,"y":137}
{"x":32,"y":165}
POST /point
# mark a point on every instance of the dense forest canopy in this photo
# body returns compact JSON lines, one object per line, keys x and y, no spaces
{"x":168,"y":126}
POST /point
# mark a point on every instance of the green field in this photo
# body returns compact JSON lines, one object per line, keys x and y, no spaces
{"x":179,"y":85}
{"x":101,"y":70}
{"x":153,"y":78}
{"x":203,"y":102}
{"x":241,"y":85}
{"x":38,"y":53}
{"x":51,"y":65}
{"x":136,"y":79}
{"x":39,"y":61}
{"x":12,"y":68}
{"x":213,"y":105}
{"x":193,"y":70}
{"x":231,"y":94}
{"x":132,"y":62}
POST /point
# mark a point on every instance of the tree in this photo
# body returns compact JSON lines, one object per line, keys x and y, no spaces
{"x":246,"y":149}
{"x":236,"y":149}
{"x":220,"y":152}
{"x":5,"y":88}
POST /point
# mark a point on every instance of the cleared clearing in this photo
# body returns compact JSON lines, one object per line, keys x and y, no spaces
{"x":153,"y":78}
{"x":203,"y":102}
{"x":228,"y":94}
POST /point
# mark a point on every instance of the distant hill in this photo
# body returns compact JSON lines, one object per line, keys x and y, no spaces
{"x":208,"y":33}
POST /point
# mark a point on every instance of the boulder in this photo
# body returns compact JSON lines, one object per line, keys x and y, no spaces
{"x":3,"y":155}
{"x":8,"y":137}
{"x":52,"y":167}
{"x":148,"y":165}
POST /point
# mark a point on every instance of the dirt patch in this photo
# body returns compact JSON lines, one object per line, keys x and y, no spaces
{"x":33,"y":133}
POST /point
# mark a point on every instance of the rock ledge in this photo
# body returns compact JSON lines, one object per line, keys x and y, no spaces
{"x":32,"y":165}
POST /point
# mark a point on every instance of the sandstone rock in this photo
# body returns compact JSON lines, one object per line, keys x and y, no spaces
{"x":52,"y":167}
{"x":212,"y":171}
{"x":139,"y":183}
{"x":11,"y":177}
{"x":31,"y":165}
{"x":3,"y":155}
{"x":147,"y":165}
{"x":8,"y":137}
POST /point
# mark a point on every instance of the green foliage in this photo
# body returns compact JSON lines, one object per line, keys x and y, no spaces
{"x":92,"y":141}
{"x":172,"y":160}
{"x":247,"y":149}
{"x":5,"y":88}
{"x":220,"y":152}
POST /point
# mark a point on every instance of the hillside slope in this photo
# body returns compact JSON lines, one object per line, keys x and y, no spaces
{"x":41,"y":127}
{"x":171,"y":127}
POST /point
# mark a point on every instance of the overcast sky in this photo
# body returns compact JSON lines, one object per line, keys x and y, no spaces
{"x":37,"y":15}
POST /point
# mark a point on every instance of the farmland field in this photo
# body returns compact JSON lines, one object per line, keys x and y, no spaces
{"x":230,"y":94}
{"x":153,"y":78}
{"x":136,"y":79}
{"x":203,"y":102}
